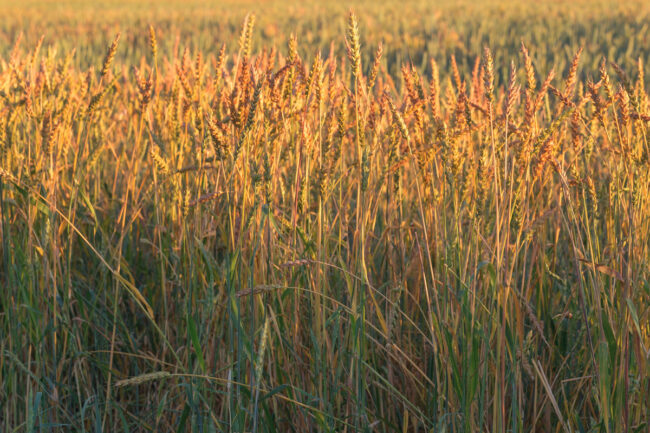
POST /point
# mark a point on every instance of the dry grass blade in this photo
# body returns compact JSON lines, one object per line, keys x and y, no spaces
{"x":143,"y":378}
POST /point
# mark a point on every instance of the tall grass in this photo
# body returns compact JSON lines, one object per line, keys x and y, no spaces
{"x":254,"y":241}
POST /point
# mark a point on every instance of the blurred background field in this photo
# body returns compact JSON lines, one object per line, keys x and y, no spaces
{"x":411,"y":30}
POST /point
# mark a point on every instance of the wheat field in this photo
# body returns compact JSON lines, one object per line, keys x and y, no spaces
{"x":253,"y":218}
